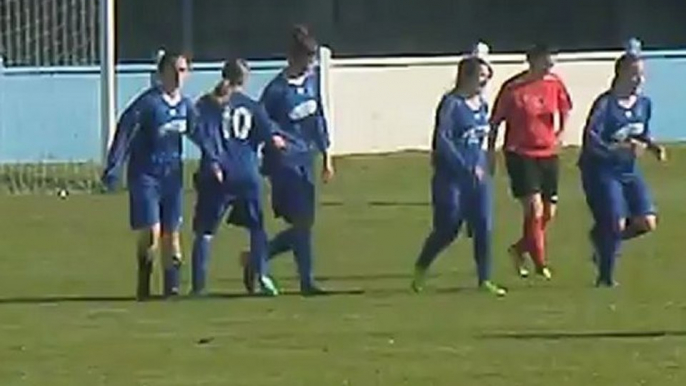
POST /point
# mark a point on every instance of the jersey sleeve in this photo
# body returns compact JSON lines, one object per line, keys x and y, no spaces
{"x":444,"y":142}
{"x":322,"y":139}
{"x":564,"y":100}
{"x":265,"y":128}
{"x":647,"y":135}
{"x":595,"y":124}
{"x":205,"y":132}
{"x":127,"y":126}
{"x":502,"y":104}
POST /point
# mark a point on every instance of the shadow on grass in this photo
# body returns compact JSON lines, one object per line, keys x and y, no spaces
{"x":578,"y":335}
{"x":56,"y":299}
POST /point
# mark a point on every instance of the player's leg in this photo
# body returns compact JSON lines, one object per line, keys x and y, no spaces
{"x":144,"y":218}
{"x":589,"y":186}
{"x":171,"y":215}
{"x":280,"y":181}
{"x":524,"y":185}
{"x":612,"y":211}
{"x":210,"y":207}
{"x":447,"y":220}
{"x":643,"y":214}
{"x":480,"y":215}
{"x":247,"y":212}
{"x":550,"y":176}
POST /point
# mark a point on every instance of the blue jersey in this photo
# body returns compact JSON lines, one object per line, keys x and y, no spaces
{"x":459,"y":135}
{"x":150,"y":132}
{"x":232,"y":133}
{"x":610,"y":124}
{"x":296,"y":107}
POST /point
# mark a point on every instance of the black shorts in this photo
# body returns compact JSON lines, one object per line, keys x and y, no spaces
{"x":531,"y":175}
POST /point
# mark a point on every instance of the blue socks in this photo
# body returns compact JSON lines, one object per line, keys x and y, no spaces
{"x":436,"y":242}
{"x":259,"y":251}
{"x":609,"y":242}
{"x":281,"y":243}
{"x":200,"y":262}
{"x":302,"y":249}
{"x":172,"y":277}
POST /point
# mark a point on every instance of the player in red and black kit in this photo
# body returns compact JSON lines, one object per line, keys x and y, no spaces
{"x":529,"y":103}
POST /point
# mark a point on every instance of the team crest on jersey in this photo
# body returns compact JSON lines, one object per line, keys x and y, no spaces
{"x":630,"y":130}
{"x":476,"y":134}
{"x":303,"y":110}
{"x":178,"y":126}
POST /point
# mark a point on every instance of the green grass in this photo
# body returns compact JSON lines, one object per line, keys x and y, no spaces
{"x":59,"y":256}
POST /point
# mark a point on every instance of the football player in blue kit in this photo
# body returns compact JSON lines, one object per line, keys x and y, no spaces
{"x":616,"y":133}
{"x":293,"y":100}
{"x":149,"y":135}
{"x":234,"y":126}
{"x":461,"y":187}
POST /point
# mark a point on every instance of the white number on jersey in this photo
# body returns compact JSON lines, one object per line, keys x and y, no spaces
{"x":237,"y":123}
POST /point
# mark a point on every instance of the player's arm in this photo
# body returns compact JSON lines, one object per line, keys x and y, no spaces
{"x":266,"y":131}
{"x":127,"y":126}
{"x":323,"y":141}
{"x":646,"y":137}
{"x":205,"y":134}
{"x":501,"y":108}
{"x":595,"y":124}
{"x":564,"y":106}
{"x":444,"y":143}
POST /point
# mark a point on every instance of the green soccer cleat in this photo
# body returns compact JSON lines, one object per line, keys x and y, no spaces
{"x":518,"y":261}
{"x":545,"y":273}
{"x":493,"y":288}
{"x":419,"y":280}
{"x":267,"y":286}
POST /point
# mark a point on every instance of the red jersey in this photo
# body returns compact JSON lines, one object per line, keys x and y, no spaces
{"x":528,"y":107}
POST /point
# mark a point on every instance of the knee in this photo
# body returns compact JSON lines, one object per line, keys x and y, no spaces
{"x":302,"y":223}
{"x":647,"y":223}
{"x":549,"y":211}
{"x":533,"y":206}
{"x":149,"y":239}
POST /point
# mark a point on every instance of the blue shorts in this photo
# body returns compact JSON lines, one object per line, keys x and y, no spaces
{"x":156,"y":200}
{"x":612,"y":198}
{"x":293,"y":193}
{"x":215,"y":200}
{"x":457,"y":200}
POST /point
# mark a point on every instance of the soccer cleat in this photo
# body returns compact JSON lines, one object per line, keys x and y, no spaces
{"x":312,"y":290}
{"x":493,"y":288}
{"x":545,"y":273}
{"x":595,"y":259}
{"x":172,"y":278}
{"x":518,"y":261}
{"x":144,"y":273}
{"x":267,"y":286}
{"x":419,"y":280}
{"x":248,"y":272}
{"x":599,"y":283}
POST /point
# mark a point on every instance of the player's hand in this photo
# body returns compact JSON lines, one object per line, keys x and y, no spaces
{"x":109,"y":182}
{"x":278,"y":142}
{"x":328,"y":170}
{"x":218,"y":173}
{"x":491,"y":158}
{"x":660,"y":153}
{"x":479,"y":173}
{"x":637,"y":147}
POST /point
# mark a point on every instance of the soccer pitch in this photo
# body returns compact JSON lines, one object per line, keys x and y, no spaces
{"x":67,"y":316}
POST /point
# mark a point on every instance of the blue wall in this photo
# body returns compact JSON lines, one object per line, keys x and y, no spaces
{"x":52,"y":114}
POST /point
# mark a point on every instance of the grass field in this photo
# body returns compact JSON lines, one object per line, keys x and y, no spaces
{"x":67,"y":316}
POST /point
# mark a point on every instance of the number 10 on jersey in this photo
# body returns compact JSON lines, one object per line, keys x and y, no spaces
{"x":237,"y":123}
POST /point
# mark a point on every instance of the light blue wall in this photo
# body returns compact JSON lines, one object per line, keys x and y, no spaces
{"x":52,"y":114}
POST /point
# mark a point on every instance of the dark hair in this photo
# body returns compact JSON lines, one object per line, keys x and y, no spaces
{"x":169,"y":60}
{"x":538,"y":51}
{"x":302,"y":42}
{"x":622,"y":63}
{"x":470,"y":66}
{"x":235,"y":71}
